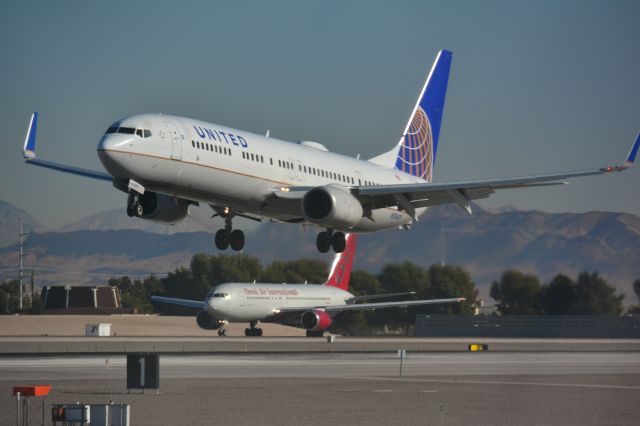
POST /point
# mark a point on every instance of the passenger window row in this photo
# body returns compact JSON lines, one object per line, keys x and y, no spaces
{"x":143,"y":133}
{"x":281,"y":163}
{"x":253,"y":157}
{"x":211,"y":147}
{"x":326,"y":174}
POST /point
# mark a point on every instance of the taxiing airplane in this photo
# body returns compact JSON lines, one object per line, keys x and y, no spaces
{"x":310,"y":306}
{"x":167,"y":163}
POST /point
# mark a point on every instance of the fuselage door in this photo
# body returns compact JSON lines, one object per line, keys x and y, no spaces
{"x":176,"y":140}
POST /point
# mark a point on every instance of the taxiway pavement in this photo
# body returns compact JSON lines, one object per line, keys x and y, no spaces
{"x":498,"y":388}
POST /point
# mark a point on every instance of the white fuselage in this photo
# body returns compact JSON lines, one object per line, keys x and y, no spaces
{"x":221,"y":166}
{"x":259,"y":302}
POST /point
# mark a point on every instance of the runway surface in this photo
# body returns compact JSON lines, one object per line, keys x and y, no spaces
{"x":503,"y":388}
{"x":206,"y":345}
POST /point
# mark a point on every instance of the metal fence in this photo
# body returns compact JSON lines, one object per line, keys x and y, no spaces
{"x":600,"y":326}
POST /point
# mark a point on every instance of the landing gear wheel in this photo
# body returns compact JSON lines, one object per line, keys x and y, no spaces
{"x":323,"y":242}
{"x":222,"y":239}
{"x":338,"y":242}
{"x":222,"y":332}
{"x":133,"y":205}
{"x":253,"y":330}
{"x":236,"y":239}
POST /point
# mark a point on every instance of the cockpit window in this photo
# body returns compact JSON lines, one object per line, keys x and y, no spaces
{"x":143,"y":133}
{"x":220,"y":294}
{"x":127,"y":130}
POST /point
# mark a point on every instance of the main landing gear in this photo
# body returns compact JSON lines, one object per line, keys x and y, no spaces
{"x":228,"y":236}
{"x":252,"y":330}
{"x":329,"y":239}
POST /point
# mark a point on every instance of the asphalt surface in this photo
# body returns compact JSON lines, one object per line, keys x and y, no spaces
{"x":12,"y":346}
{"x":497,"y":388}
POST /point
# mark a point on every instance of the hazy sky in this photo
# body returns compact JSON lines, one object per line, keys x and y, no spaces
{"x":535,"y":87}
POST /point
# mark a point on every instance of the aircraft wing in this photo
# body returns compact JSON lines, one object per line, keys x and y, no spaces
{"x":408,"y":197}
{"x":182,"y":302}
{"x":334,"y":309}
{"x":29,"y":153}
{"x":355,"y":299}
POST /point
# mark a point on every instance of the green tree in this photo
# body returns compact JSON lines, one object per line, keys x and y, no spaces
{"x":295,"y":272}
{"x":559,"y":297}
{"x":356,"y":323}
{"x":635,"y":310}
{"x":452,"y":281}
{"x":362,"y":283}
{"x":517,"y":293}
{"x":234,"y":268}
{"x":9,"y":296}
{"x":402,"y":277}
{"x":595,"y":296}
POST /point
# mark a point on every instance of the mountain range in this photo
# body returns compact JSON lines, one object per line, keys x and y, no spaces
{"x":485,"y":244}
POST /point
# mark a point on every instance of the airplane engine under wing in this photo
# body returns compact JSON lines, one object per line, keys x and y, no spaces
{"x":163,"y":208}
{"x":316,"y":320}
{"x":332,"y":206}
{"x":207,"y":322}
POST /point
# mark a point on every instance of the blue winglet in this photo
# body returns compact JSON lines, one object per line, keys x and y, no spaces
{"x":29,"y":149}
{"x":634,"y":150}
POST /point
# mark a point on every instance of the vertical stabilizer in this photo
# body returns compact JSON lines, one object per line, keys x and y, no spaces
{"x":416,"y":151}
{"x":342,"y":262}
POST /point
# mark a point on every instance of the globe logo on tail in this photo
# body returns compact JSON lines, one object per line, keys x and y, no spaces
{"x":415,"y":155}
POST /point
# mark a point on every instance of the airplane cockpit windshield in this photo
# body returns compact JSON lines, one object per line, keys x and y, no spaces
{"x":143,"y":133}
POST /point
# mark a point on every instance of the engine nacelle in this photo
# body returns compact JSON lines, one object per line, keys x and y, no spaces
{"x":163,"y":208}
{"x":207,"y":322}
{"x":316,"y":320}
{"x":332,"y":206}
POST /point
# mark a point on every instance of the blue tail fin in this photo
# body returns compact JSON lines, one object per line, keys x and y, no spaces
{"x":419,"y":144}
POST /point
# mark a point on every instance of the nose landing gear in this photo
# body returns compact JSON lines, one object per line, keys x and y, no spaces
{"x":228,"y":236}
{"x":329,"y":239}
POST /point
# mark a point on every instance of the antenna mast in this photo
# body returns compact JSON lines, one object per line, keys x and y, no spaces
{"x":22,"y":234}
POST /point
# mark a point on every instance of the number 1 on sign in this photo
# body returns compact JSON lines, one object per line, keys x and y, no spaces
{"x":141,"y":361}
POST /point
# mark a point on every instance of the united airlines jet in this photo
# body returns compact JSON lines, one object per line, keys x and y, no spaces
{"x":309,"y":306}
{"x":166,"y":163}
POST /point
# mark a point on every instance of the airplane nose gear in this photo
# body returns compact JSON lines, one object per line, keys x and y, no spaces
{"x":222,"y":332}
{"x":134,"y":207}
{"x":253,"y":330}
{"x":228,"y":236}
{"x":329,"y":239}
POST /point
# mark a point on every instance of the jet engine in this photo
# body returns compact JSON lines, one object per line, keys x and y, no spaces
{"x":207,"y":322}
{"x":332,"y":206}
{"x":162,"y":207}
{"x":316,"y":320}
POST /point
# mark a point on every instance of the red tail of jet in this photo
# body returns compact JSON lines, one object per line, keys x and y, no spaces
{"x":341,"y":267}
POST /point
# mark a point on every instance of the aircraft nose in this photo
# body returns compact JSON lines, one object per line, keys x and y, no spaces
{"x":110,"y":142}
{"x":110,"y":151}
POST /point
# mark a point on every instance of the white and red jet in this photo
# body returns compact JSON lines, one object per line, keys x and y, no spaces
{"x":310,"y":306}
